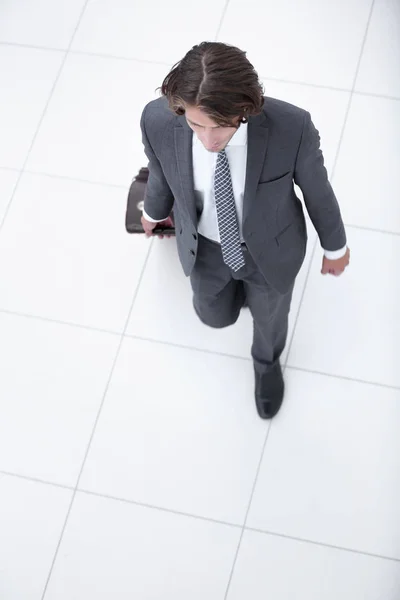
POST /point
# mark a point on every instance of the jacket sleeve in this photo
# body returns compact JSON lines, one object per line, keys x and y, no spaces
{"x":320,"y":200}
{"x":158,"y":201}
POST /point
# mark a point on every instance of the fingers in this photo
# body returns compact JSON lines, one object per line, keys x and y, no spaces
{"x":148,"y":226}
{"x":168,"y":222}
{"x":334,"y":272}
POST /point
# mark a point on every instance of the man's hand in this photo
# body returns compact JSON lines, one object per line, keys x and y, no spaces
{"x":335,"y":267}
{"x":148,"y":226}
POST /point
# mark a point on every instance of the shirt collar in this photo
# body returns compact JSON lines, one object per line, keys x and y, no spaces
{"x":239,"y":138}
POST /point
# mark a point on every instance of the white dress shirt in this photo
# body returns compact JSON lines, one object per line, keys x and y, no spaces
{"x":203,"y":176}
{"x":204,"y":163}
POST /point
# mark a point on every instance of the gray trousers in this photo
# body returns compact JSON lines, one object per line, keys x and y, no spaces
{"x":219,"y":294}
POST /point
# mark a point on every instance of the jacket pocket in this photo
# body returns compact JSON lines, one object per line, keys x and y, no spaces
{"x":281,"y":236}
{"x":286,"y":177}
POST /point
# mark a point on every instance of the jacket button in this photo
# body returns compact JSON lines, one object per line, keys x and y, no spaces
{"x":180,"y":231}
{"x":193,"y":253}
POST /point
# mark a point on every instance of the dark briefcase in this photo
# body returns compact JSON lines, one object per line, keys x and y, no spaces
{"x":134,"y":209}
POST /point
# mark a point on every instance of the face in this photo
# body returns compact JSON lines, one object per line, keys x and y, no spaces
{"x":213,"y":137}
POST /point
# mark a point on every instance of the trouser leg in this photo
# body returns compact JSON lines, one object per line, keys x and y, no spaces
{"x":270,"y":312}
{"x":217,"y":296}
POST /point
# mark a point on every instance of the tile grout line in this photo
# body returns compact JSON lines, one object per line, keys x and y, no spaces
{"x":14,"y":169}
{"x":322,"y":544}
{"x":87,"y":53}
{"x":13,"y":313}
{"x":375,"y":95}
{"x":71,"y":488}
{"x":132,"y":336}
{"x":303,"y":293}
{"x":192,"y":348}
{"x":297,"y":314}
{"x":221,"y":20}
{"x":371,"y":229}
{"x":77,"y":179}
{"x":322,"y":86}
{"x":199,"y":517}
{"x":75,"y":489}
{"x":124,"y":335}
{"x":159,"y":508}
{"x":331,"y":178}
{"x":244,"y":528}
{"x":53,"y":87}
{"x":343,"y":377}
{"x":247,"y":512}
{"x":123,"y":188}
{"x":36,"y":480}
{"x":134,"y":297}
{"x":168,"y":65}
{"x":32,"y":46}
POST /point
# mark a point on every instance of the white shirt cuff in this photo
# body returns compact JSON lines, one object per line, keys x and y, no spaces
{"x":335,"y":254}
{"x":146,"y":216}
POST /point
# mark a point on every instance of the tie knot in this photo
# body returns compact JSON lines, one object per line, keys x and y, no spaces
{"x":221,"y":157}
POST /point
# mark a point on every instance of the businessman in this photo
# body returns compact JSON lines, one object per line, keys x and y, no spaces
{"x":226,"y":158}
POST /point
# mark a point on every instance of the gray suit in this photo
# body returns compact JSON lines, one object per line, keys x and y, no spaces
{"x":283,"y":146}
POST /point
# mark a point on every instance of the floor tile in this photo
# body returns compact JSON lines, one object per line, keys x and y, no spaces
{"x":379,"y":68}
{"x":8,"y":180}
{"x":349,"y":326}
{"x":366,"y":179}
{"x":65,"y":255}
{"x":165,"y":440}
{"x":52,"y":383}
{"x":178,"y":429}
{"x":331,"y":468}
{"x":163,"y":308}
{"x":143,"y":30}
{"x":47,"y":23}
{"x":114,"y":549}
{"x":274,"y":567}
{"x":299,"y":41}
{"x":92,"y":127}
{"x":32,"y":516}
{"x":327,"y":108}
{"x":24,"y":73}
{"x":301,"y":281}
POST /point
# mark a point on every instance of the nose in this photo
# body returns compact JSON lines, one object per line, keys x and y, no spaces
{"x":210,"y":141}
{"x":210,"y":144}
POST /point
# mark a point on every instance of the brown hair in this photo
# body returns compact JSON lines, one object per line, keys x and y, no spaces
{"x":217,"y":78}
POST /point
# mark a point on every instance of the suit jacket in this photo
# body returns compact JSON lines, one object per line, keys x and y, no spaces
{"x":283,"y":148}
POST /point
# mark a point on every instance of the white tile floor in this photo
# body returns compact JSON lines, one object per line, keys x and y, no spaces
{"x":107,"y":488}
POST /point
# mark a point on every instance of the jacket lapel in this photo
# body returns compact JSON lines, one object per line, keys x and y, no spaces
{"x":183,"y":137}
{"x":257,"y":142}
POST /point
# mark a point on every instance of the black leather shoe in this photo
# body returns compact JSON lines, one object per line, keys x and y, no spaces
{"x":269,"y":392}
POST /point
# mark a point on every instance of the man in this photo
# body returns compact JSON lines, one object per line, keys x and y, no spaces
{"x":225,"y":158}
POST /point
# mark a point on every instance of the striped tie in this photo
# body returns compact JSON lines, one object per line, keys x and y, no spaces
{"x":226,"y":213}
